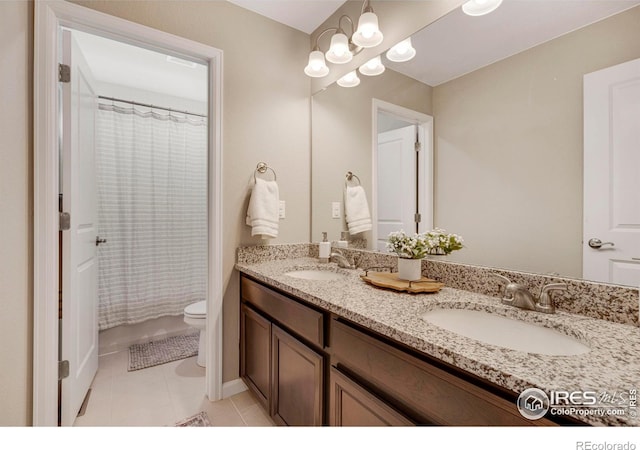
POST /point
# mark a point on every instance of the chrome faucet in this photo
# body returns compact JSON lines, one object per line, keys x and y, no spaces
{"x":342,"y":260}
{"x":519,"y":296}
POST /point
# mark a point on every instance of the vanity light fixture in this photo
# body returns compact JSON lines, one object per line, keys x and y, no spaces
{"x":480,"y":7}
{"x":372,"y":67}
{"x":349,"y":80}
{"x":343,"y":47}
{"x":402,"y":51}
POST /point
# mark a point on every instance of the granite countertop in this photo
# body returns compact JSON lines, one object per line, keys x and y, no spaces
{"x":611,"y":367}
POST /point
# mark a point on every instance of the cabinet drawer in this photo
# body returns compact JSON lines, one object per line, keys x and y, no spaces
{"x":432,"y":394}
{"x":353,"y":405}
{"x":304,"y":321}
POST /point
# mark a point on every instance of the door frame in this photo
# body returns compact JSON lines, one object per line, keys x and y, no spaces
{"x":425,"y":162}
{"x":49,"y":16}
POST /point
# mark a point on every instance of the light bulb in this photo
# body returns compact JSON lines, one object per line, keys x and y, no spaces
{"x":339,"y":52}
{"x":349,"y":80}
{"x":372,"y":67}
{"x":368,"y":33}
{"x":402,"y":51}
{"x":317,"y":67}
{"x":480,"y":7}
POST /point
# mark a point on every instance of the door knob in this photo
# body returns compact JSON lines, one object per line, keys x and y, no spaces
{"x":597,"y":243}
{"x":100,"y":241}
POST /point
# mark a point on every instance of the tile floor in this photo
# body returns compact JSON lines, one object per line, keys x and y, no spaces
{"x":161,"y":396}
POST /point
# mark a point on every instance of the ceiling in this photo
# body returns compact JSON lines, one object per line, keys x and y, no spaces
{"x":303,"y":15}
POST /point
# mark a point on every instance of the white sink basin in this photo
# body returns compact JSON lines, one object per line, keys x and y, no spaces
{"x":312,"y":274}
{"x":505,"y":332}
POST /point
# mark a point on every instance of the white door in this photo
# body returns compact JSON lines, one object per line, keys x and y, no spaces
{"x":396,"y":191}
{"x":79,"y":325}
{"x":611,"y":240}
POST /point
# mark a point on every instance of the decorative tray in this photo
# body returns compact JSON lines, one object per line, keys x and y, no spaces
{"x":391,"y":281}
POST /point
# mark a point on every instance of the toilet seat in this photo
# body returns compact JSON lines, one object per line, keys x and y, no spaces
{"x":197,"y":310}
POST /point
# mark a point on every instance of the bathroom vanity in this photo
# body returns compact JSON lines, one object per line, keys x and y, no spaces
{"x":337,"y":351}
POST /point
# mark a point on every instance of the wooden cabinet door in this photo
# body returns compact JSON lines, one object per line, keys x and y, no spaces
{"x":352,"y":405}
{"x":298,"y":379}
{"x":255,"y":353}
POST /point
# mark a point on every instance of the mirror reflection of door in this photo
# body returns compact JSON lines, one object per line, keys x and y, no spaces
{"x":402,"y":176}
{"x":611,"y":234}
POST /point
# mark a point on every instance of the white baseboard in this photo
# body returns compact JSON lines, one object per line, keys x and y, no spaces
{"x":233,"y":387}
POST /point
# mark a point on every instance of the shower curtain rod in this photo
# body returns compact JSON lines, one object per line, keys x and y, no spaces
{"x":149,"y":106}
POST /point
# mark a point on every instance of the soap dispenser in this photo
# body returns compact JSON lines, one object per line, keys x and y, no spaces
{"x":344,"y":240}
{"x":325,"y":248}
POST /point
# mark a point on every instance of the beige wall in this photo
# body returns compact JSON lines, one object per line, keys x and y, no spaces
{"x":16,"y":229}
{"x":266,"y":118}
{"x":509,"y":150}
{"x":341,"y":142}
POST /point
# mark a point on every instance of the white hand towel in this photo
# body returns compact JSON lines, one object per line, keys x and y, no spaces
{"x":262,"y":213}
{"x":356,"y":210}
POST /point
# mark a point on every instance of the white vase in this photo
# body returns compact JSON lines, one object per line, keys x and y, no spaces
{"x":409,"y":269}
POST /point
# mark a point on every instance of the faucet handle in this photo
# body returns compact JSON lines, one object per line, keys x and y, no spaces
{"x":553,"y":287}
{"x":506,"y":282}
{"x":545,"y":303}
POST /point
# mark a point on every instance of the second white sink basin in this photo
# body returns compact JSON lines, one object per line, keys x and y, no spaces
{"x":505,"y":332}
{"x":313,"y":274}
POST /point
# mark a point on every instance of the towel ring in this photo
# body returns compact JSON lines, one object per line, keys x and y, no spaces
{"x":262,"y":168}
{"x":349,"y":177}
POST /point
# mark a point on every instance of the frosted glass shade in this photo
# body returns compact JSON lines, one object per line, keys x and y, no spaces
{"x":317,"y":67}
{"x":372,"y":67}
{"x":349,"y":80}
{"x":480,"y":7}
{"x":368,"y":34}
{"x":402,"y":51}
{"x":339,"y":52}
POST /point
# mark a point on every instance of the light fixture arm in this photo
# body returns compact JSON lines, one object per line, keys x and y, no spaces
{"x":317,"y":44}
{"x":344,"y":16}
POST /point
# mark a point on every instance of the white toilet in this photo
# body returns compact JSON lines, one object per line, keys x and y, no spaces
{"x":195,"y":315}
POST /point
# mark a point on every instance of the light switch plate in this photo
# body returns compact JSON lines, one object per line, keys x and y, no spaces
{"x":335,"y":210}
{"x":282,"y":209}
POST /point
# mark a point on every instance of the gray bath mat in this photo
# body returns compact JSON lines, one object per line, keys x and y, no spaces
{"x":199,"y":420}
{"x":162,"y":351}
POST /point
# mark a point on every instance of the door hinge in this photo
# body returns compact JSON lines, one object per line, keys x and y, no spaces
{"x":65,"y":221}
{"x":417,"y":218}
{"x":417,"y":146}
{"x":64,"y":73}
{"x":63,"y":369}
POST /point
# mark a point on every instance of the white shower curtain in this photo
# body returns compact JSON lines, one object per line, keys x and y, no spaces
{"x":152,"y":194}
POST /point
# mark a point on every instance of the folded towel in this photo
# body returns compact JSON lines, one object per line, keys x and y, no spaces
{"x":262,"y":213}
{"x":356,"y":210}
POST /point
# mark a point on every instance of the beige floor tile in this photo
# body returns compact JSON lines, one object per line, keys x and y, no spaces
{"x":256,"y":416}
{"x":223,"y":413}
{"x":161,"y":396}
{"x":144,"y":417}
{"x":244,"y":400}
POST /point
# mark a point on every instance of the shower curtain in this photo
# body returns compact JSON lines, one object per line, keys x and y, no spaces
{"x":152,"y":209}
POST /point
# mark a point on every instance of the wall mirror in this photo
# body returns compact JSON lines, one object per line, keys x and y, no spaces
{"x":505,"y":92}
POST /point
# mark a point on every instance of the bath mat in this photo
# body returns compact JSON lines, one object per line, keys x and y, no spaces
{"x":162,"y":351}
{"x":199,"y":420}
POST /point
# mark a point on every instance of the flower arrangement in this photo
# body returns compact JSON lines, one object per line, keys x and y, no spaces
{"x":434,"y":242}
